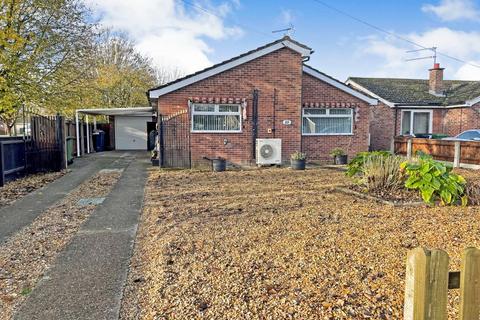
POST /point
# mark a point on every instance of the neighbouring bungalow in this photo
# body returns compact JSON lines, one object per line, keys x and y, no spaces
{"x":417,"y":106}
{"x":264,"y":104}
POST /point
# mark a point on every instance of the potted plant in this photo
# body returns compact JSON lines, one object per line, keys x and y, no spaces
{"x":219,"y":164}
{"x":154,"y":158}
{"x":298,"y":160}
{"x":339,"y":156}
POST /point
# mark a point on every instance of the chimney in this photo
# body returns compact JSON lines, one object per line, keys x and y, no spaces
{"x":436,"y":80}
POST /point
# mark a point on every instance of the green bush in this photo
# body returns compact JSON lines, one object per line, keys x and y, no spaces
{"x":355,"y":167}
{"x":382,"y":173}
{"x":435,"y":181}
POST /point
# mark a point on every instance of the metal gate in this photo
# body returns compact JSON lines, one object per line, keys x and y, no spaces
{"x":43,"y":143}
{"x":174,"y":140}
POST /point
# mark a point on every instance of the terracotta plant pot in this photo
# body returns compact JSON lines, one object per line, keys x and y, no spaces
{"x":298,"y":164}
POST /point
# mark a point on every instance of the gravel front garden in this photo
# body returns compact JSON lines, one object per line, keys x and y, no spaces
{"x":26,"y":256}
{"x":279,"y":244}
{"x":19,"y":188}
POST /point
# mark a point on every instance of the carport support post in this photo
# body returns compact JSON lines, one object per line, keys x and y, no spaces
{"x":88,"y":134}
{"x":77,"y":129}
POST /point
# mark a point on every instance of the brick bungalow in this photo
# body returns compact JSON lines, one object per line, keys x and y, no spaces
{"x":305,"y":108}
{"x":417,"y":106}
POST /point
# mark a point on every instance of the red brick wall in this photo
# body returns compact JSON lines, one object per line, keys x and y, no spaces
{"x":278,"y":72}
{"x":319,"y":147}
{"x":382,"y":126}
{"x":457,"y":120}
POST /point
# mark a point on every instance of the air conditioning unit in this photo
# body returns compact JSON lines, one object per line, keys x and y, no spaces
{"x":269,"y":151}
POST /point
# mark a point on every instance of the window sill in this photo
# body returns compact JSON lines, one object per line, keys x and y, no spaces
{"x":326,"y":134}
{"x":225,"y":131}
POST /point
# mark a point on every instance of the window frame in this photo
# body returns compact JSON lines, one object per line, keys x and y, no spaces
{"x":412,"y":112}
{"x":216,"y":113}
{"x":328,"y":115}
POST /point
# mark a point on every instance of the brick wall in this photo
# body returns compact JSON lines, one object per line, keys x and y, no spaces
{"x":457,"y":120}
{"x":382,"y":126}
{"x":277,"y":77}
{"x":318,"y":92}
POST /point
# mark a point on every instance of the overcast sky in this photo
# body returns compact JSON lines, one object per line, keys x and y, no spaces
{"x":180,"y":34}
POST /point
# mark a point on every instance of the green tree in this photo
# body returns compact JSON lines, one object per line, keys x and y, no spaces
{"x":41,"y":43}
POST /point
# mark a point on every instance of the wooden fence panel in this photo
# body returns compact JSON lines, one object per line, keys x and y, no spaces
{"x":428,"y":280}
{"x":444,"y":150}
{"x":426,"y":286}
{"x":470,"y":285}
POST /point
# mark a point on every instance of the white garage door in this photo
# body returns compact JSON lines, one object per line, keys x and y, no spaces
{"x":131,"y":132}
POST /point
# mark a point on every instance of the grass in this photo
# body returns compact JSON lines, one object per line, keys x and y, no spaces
{"x":279,"y":244}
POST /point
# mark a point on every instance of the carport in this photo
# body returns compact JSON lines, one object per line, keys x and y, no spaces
{"x":130,"y":126}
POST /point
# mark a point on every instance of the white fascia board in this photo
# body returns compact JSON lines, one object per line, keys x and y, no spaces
{"x":473,"y":101}
{"x":359,"y":87}
{"x":339,"y":85}
{"x":232,"y":64}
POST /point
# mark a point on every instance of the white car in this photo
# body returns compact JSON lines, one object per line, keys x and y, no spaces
{"x":469,"y":135}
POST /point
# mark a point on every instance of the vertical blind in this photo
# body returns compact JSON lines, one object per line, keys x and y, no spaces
{"x":327,"y":121}
{"x":214,"y":117}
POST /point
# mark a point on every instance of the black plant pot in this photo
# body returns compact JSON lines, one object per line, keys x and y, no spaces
{"x":219,"y":165}
{"x":155,"y":162}
{"x":298,"y":164}
{"x":343,"y":159}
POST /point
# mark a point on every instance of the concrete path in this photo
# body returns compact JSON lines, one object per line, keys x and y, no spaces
{"x":23,"y":211}
{"x":88,"y":277}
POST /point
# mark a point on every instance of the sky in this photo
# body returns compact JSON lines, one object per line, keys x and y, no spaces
{"x":192,"y":35}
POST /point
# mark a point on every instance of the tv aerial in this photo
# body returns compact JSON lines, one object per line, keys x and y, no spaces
{"x":433,"y":56}
{"x":287,"y":31}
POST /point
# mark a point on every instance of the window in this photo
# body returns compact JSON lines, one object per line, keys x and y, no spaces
{"x":416,"y":122}
{"x":216,"y":118}
{"x":327,"y":121}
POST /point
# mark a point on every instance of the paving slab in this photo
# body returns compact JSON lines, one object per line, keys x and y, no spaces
{"x":88,"y":277}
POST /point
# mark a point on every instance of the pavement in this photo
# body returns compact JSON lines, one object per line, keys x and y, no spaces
{"x":87,"y":279}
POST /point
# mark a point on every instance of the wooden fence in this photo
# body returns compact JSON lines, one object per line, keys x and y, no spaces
{"x":428,"y":281}
{"x":458,"y":152}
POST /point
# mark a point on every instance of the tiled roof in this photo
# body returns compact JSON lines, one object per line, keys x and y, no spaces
{"x":415,"y":91}
{"x":285,"y":38}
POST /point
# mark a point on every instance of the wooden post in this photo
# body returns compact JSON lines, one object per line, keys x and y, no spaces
{"x":426,"y":285}
{"x":409,"y":148}
{"x":456,"y":158}
{"x":470,"y":284}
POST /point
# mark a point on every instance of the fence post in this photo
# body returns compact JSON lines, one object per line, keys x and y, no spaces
{"x":161,"y":142}
{"x":456,"y":158}
{"x":470,"y":284}
{"x":409,"y":148}
{"x":426,"y":285}
{"x":2,"y":175}
{"x":61,"y":141}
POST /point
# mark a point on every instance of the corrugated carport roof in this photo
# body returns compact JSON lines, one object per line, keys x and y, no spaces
{"x":142,"y":111}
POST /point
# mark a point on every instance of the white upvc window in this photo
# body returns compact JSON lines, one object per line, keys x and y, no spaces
{"x":216,"y":117}
{"x":416,"y":122}
{"x":326,"y":121}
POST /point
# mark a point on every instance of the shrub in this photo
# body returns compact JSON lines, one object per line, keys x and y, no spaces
{"x":298,"y":155}
{"x":337,"y":152}
{"x":472,"y":191}
{"x":355,"y":167}
{"x":435,"y":181}
{"x":382,"y":173}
